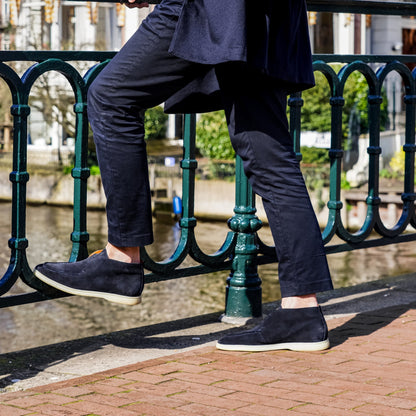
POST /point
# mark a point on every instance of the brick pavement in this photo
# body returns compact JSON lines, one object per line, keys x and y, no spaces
{"x":369,"y":370}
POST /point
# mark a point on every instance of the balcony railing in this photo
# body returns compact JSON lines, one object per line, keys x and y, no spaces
{"x":242,"y":250}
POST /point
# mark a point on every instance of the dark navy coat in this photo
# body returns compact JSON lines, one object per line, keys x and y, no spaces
{"x":269,"y":35}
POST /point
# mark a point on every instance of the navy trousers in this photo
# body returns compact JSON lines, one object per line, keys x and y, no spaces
{"x":142,"y":75}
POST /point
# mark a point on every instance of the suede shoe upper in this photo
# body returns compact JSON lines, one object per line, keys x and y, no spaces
{"x":97,"y":273}
{"x":305,"y":325}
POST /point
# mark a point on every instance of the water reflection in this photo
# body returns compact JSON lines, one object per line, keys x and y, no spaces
{"x":49,"y":229}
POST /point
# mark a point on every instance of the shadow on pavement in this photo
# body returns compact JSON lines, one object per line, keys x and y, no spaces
{"x":372,"y":305}
{"x":366,"y":323}
{"x":26,"y":364}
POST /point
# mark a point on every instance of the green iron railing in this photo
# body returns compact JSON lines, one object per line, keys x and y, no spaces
{"x":242,"y":250}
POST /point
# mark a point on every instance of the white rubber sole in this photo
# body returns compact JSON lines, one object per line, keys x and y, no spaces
{"x":293,"y":346}
{"x":111,"y":297}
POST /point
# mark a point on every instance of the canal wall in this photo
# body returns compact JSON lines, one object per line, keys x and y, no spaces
{"x":53,"y":188}
{"x":214,"y":199}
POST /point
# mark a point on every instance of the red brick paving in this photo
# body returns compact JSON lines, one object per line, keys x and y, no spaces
{"x":369,"y":370}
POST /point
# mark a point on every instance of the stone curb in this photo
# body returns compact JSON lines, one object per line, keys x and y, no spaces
{"x":64,"y":361}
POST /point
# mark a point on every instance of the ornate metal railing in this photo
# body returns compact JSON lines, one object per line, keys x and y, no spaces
{"x":242,"y":250}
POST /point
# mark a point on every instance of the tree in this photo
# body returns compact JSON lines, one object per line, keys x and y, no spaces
{"x":212,"y":138}
{"x":316,"y":111}
{"x":55,"y":102}
{"x":212,"y":134}
{"x":155,"y":123}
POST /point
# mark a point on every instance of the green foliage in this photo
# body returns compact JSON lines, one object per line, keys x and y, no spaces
{"x":213,"y":141}
{"x":67,"y":169}
{"x":316,"y":112}
{"x":92,"y":161}
{"x":396,"y":169}
{"x":155,"y":123}
{"x":397,"y":163}
{"x":212,"y":133}
{"x":94,"y":170}
{"x":344,"y":182}
{"x":314,"y":155}
{"x":386,"y":174}
{"x":212,"y":138}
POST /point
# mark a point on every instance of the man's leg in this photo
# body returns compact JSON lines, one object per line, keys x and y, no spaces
{"x":142,"y":75}
{"x":256,"y":116}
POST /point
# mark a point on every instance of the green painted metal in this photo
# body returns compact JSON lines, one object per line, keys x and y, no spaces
{"x":242,"y":250}
{"x":188,"y":245}
{"x":243,"y":292}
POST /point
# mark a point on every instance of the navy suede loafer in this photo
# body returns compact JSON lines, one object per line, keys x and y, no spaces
{"x":302,"y":329}
{"x":96,"y":276}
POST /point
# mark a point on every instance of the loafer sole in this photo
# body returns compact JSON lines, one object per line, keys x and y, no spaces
{"x":111,"y":297}
{"x":293,"y":346}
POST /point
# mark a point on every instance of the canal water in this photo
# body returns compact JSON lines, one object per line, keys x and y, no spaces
{"x":48,"y":232}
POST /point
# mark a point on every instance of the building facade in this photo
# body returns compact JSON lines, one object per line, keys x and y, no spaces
{"x":83,"y":25}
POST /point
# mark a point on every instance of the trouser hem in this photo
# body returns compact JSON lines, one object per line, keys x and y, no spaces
{"x":306,"y":289}
{"x":136,"y":241}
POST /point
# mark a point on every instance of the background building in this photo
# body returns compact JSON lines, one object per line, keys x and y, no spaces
{"x":83,"y":25}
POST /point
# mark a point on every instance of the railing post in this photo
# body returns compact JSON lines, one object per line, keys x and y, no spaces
{"x":80,"y":173}
{"x":243,"y":292}
{"x":19,"y":178}
{"x":295,"y":103}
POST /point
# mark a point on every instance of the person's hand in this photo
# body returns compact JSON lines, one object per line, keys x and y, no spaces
{"x":131,"y":4}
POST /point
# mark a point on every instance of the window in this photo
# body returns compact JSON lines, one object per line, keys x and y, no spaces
{"x":323,"y":38}
{"x":68,"y":27}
